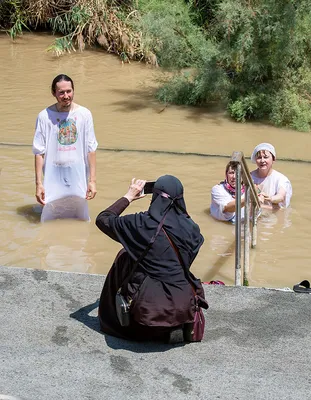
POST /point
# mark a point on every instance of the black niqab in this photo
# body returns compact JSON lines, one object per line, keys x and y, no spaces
{"x":135,"y":231}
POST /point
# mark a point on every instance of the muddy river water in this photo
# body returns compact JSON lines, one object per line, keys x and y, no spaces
{"x":153,"y":140}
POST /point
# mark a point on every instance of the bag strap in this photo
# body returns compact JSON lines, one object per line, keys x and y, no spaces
{"x":143,"y":254}
{"x":180,"y":261}
{"x":199,"y":301}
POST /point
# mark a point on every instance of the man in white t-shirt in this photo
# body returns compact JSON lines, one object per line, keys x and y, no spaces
{"x":223,"y":196}
{"x":275,"y":189}
{"x":64,"y":146}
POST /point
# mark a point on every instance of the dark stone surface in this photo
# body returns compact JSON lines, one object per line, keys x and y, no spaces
{"x":257,"y":345}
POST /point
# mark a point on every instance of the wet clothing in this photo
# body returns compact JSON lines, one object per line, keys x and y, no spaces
{"x":272,"y":184}
{"x":220,"y":197}
{"x":162,"y":297}
{"x":65,"y":139}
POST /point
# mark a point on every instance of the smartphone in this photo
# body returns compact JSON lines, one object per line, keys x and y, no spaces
{"x":148,"y":188}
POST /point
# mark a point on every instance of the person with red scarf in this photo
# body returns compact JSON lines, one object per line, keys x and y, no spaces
{"x":223,"y":196}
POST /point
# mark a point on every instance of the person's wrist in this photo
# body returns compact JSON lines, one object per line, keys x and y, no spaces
{"x":129,"y":197}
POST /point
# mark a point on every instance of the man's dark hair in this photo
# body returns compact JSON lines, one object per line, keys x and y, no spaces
{"x":60,"y":78}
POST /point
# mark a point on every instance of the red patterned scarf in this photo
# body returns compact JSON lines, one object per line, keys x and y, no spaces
{"x":230,"y":189}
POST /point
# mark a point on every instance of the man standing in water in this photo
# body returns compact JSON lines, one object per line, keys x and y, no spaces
{"x":64,"y":146}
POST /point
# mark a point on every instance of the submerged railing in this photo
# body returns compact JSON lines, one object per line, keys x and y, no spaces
{"x":251,"y":211}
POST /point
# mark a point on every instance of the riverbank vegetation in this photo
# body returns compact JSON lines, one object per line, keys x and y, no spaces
{"x":252,"y":56}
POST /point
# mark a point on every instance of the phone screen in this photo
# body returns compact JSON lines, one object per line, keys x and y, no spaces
{"x":148,"y":188}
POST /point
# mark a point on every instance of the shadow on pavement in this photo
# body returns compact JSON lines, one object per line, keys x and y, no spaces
{"x":83,"y":315}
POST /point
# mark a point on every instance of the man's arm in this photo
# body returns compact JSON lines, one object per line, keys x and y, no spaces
{"x":91,"y":187}
{"x":40,"y":192}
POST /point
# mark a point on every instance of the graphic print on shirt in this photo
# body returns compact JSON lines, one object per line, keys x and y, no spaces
{"x":67,"y":132}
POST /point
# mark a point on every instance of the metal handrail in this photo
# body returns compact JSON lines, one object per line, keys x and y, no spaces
{"x":251,"y":199}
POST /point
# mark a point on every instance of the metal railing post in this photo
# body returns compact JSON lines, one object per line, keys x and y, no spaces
{"x":246,"y":236}
{"x":251,"y":201}
{"x":238,"y":226}
{"x":254,"y":227}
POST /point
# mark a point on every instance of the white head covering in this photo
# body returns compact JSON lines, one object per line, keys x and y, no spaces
{"x":260,"y":147}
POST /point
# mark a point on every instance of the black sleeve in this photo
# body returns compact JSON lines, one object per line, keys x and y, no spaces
{"x":102,"y":220}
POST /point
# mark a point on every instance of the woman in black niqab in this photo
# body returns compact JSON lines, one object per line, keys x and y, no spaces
{"x":161,"y":286}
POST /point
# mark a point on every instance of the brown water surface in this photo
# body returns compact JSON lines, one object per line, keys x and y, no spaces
{"x":127,"y":117}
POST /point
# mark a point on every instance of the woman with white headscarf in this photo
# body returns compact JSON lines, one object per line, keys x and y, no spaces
{"x":275,"y":189}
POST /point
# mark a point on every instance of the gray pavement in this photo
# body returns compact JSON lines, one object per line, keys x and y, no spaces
{"x":257,"y":345}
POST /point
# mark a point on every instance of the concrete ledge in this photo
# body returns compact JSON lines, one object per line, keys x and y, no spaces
{"x":256,"y":346}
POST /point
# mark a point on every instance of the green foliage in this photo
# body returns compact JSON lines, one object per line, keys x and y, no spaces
{"x":203,"y":86}
{"x":253,"y":56}
{"x":204,"y":10}
{"x":262,"y":47}
{"x":291,"y":106}
{"x":259,"y":40}
{"x":169,"y":32}
{"x":62,"y":45}
{"x":80,"y":22}
{"x":67,"y":23}
{"x":71,"y":24}
{"x":17,"y":16}
{"x":178,"y":90}
{"x":241,"y":109}
{"x":291,"y":110}
{"x":252,"y":106}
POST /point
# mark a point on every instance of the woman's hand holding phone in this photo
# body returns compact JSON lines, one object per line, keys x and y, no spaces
{"x":148,"y":188}
{"x":135,"y":190}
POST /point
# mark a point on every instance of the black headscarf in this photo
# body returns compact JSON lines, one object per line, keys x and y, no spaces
{"x":135,"y":231}
{"x":183,"y":231}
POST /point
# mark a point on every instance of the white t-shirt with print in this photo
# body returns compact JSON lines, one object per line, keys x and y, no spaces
{"x":65,"y":139}
{"x":220,"y":198}
{"x":272,"y":184}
